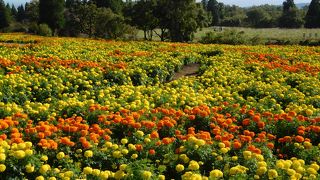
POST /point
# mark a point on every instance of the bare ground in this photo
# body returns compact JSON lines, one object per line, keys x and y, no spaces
{"x":187,"y":70}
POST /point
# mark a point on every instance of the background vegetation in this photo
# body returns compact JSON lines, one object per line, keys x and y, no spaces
{"x":165,"y":20}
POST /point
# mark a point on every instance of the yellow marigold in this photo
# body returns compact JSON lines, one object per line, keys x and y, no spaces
{"x":29,"y":152}
{"x":68,"y":174}
{"x":87,"y":170}
{"x":44,"y":168}
{"x":22,"y":146}
{"x":2,"y":167}
{"x":40,"y":178}
{"x":88,"y":153}
{"x":3,"y":157}
{"x":140,"y":133}
{"x":60,"y":155}
{"x":315,"y":166}
{"x":134,"y":156}
{"x":310,"y":170}
{"x":179,"y":167}
{"x":272,"y":174}
{"x":104,"y":175}
{"x":161,"y":177}
{"x":216,"y":174}
{"x":19,"y":154}
{"x":224,"y":150}
{"x":193,"y":165}
{"x":124,"y":141}
{"x":234,"y":158}
{"x":116,"y":154}
{"x":119,"y":174}
{"x":262,"y":164}
{"x":146,"y":174}
{"x":29,"y":168}
{"x":123,"y":167}
{"x":96,"y":172}
{"x":221,"y":145}
{"x":44,"y":158}
{"x":261,"y":170}
{"x":124,"y":151}
{"x":291,"y":172}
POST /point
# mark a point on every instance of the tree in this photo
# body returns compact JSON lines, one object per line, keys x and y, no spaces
{"x":142,"y":16}
{"x":4,"y":15}
{"x":290,"y":17}
{"x":232,"y":16}
{"x":162,"y":13}
{"x":312,"y":17}
{"x":215,"y":9}
{"x":115,"y":5}
{"x":182,"y":19}
{"x":204,"y":18}
{"x":51,"y":13}
{"x":13,"y":11}
{"x":21,"y":14}
{"x":110,"y":25}
{"x":32,"y":11}
{"x":86,"y":14}
{"x":72,"y":21}
{"x":258,"y":18}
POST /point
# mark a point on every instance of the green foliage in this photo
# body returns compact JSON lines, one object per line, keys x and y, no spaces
{"x":215,"y":9}
{"x":110,"y":25}
{"x":290,"y":17}
{"x":31,"y":11}
{"x":44,"y":30}
{"x":4,"y":16}
{"x":259,"y":18}
{"x":182,"y":20}
{"x":20,"y":13}
{"x":51,"y":13}
{"x":312,"y":17}
{"x":142,"y":16}
{"x":226,"y":37}
{"x":115,"y":5}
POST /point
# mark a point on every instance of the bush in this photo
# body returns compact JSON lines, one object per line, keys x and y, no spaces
{"x":44,"y":30}
{"x":226,"y":37}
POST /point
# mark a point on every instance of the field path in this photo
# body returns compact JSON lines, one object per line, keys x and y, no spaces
{"x":187,"y":70}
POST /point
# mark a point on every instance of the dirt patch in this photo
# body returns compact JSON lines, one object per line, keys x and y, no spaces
{"x":187,"y":70}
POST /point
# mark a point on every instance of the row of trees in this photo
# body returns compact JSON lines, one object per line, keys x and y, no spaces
{"x":265,"y":16}
{"x":176,"y":20}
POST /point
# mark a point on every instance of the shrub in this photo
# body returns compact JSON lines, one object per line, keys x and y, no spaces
{"x":226,"y":37}
{"x":44,"y":30}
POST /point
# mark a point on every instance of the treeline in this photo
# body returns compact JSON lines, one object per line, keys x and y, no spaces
{"x":175,"y":20}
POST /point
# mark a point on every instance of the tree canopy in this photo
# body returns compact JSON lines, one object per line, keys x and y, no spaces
{"x":312,"y":17}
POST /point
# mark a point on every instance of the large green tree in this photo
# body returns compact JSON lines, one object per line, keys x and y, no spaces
{"x":4,"y":15}
{"x":312,"y":17}
{"x":258,"y":18}
{"x":87,"y":14}
{"x":183,"y":19}
{"x":215,"y":9}
{"x":142,"y":16}
{"x":32,"y":11}
{"x":290,"y":17}
{"x":110,"y":25}
{"x":51,"y":12}
{"x":162,"y":13}
{"x":21,"y":14}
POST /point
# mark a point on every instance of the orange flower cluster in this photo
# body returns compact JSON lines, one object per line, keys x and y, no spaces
{"x":252,"y":131}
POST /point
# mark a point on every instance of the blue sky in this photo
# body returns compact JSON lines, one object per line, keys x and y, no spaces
{"x":243,"y":3}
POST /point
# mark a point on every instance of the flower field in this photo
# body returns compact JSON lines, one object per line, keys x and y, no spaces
{"x":73,"y":108}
